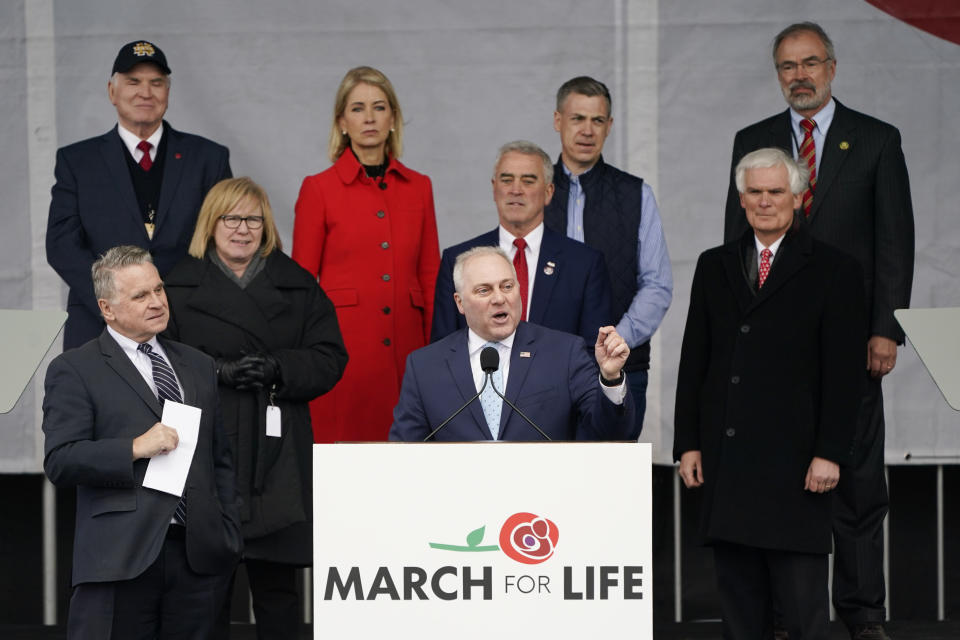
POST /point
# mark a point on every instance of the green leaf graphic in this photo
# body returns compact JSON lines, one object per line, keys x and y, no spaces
{"x":475,"y":537}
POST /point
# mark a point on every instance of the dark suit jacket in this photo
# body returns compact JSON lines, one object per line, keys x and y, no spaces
{"x":96,"y":403}
{"x":94,"y":207}
{"x":557,"y":386}
{"x":769,"y":379}
{"x":574,"y":297}
{"x":861,"y":204}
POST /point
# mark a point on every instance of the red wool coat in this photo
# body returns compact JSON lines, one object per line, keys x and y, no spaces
{"x":376,"y":255}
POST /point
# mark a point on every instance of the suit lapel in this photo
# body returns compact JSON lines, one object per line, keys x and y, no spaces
{"x":117,"y":360}
{"x":114,"y":157}
{"x":781,"y":132}
{"x":520,"y":365}
{"x":172,"y":172}
{"x":733,"y":267}
{"x":832,"y":157}
{"x":545,"y":275}
{"x":458,"y":364}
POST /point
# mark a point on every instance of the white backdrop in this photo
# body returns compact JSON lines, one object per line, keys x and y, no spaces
{"x":685,"y":76}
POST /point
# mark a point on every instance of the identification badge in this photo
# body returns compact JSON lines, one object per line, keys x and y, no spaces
{"x":273,"y":421}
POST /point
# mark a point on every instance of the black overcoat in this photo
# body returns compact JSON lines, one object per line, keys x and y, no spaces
{"x":284,"y":312}
{"x":769,"y":379}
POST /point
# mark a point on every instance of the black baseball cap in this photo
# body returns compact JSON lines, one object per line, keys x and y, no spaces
{"x":138,"y":51}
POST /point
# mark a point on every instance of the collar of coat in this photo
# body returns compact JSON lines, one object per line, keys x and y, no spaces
{"x":350,"y":170}
{"x":282,"y":271}
{"x":560,"y":176}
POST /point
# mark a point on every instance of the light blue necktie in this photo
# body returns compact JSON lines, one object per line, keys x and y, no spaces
{"x":492,"y":403}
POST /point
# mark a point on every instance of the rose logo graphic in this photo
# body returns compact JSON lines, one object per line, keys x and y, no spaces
{"x":528,"y":538}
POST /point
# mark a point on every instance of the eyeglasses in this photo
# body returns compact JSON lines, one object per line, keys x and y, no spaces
{"x":810,"y":65}
{"x":233,"y":222}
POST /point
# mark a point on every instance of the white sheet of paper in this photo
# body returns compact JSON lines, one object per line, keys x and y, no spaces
{"x":168,"y":472}
{"x":273,"y":421}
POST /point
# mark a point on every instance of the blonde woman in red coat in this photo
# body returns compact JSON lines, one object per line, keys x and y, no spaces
{"x":366,"y":228}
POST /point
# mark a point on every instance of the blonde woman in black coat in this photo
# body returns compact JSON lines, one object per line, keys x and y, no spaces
{"x":274,"y":335}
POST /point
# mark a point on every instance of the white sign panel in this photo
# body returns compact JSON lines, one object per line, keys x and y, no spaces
{"x":466,"y":540}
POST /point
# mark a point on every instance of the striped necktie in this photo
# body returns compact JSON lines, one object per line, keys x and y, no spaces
{"x":808,"y":154}
{"x":167,"y":389}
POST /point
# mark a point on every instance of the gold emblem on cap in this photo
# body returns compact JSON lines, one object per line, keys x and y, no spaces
{"x":143,"y":49}
{"x":844,"y":145}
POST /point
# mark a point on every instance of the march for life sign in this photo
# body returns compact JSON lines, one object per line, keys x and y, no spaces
{"x":443,"y":540}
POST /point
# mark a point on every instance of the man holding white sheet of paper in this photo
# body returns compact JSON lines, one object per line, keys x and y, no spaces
{"x":146,"y":563}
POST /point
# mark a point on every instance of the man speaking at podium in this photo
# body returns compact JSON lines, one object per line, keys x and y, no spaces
{"x":547,"y":375}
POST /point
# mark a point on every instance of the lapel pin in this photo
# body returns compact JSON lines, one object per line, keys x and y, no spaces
{"x":548,"y":270}
{"x":524,"y":354}
{"x":844,"y":145}
{"x":178,"y":156}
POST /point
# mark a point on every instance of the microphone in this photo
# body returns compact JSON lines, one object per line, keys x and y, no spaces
{"x":490,"y":362}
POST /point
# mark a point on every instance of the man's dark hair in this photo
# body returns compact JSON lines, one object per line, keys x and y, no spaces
{"x":811,"y":27}
{"x":585,"y":86}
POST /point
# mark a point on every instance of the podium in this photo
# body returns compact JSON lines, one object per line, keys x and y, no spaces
{"x":25,"y":338}
{"x":481,"y":540}
{"x":933,"y":333}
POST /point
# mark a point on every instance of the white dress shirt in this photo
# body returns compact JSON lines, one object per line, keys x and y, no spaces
{"x":131,"y":140}
{"x":774,"y":247}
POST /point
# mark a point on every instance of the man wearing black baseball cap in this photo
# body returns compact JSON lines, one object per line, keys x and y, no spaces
{"x":142,"y":183}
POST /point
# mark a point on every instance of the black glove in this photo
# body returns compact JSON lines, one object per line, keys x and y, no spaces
{"x":260,"y":370}
{"x":232,"y":373}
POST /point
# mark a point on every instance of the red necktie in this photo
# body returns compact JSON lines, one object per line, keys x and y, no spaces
{"x":765,"y":256}
{"x":145,"y":161}
{"x":523,"y":275}
{"x":808,"y":154}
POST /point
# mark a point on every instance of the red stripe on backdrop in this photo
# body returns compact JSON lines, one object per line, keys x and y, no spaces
{"x":939,"y":17}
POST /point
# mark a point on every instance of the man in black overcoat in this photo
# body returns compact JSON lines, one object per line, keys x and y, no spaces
{"x":767,"y":397}
{"x":860,"y":203}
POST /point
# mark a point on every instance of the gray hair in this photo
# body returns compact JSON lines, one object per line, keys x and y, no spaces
{"x":115,"y":78}
{"x":767,"y":159}
{"x":585,"y":86}
{"x":112,"y":261}
{"x":476,"y":252}
{"x":527,"y":148}
{"x":799,"y":27}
